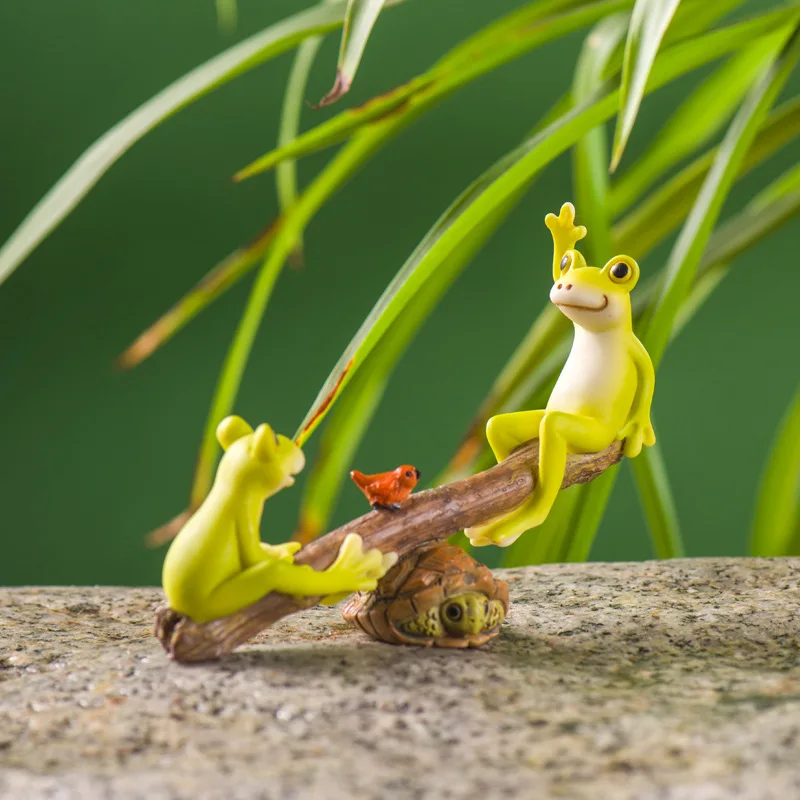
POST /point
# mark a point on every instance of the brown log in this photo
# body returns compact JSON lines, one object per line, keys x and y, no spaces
{"x":428,"y":516}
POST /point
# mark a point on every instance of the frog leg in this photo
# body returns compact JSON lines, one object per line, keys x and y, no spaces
{"x":559,"y":433}
{"x":354,"y":570}
{"x":506,"y":432}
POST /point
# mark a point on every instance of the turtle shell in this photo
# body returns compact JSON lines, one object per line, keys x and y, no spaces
{"x":436,"y":595}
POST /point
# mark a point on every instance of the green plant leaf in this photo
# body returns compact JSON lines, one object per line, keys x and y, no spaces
{"x":778,"y":506}
{"x":552,"y":327}
{"x":286,"y":171}
{"x":213,"y":284}
{"x":359,"y":20}
{"x":227,"y":15}
{"x":587,"y":515}
{"x":500,"y":43}
{"x":682,"y":263}
{"x":91,"y":166}
{"x":696,"y":120}
{"x":649,"y":22}
{"x":658,"y":504}
{"x":543,"y":546}
{"x":590,"y":153}
{"x":350,"y":419}
{"x":539,"y":357}
{"x":660,"y":213}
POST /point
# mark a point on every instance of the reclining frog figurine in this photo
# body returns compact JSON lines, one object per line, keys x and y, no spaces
{"x":604,"y":391}
{"x":218,"y":564}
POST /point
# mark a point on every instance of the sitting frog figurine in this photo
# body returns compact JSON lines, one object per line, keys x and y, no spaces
{"x":218,"y":564}
{"x":604,"y":391}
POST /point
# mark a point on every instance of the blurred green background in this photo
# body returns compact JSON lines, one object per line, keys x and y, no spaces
{"x":93,"y":458}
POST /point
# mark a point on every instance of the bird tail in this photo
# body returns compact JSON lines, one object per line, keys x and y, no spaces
{"x":359,"y":478}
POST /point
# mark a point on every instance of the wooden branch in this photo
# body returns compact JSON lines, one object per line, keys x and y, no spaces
{"x":425,"y":517}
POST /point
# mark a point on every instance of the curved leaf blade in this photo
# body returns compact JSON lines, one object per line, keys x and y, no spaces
{"x":359,"y":19}
{"x":695,"y":121}
{"x":512,"y":173}
{"x":590,"y":153}
{"x":658,"y":504}
{"x":682,"y":263}
{"x":351,"y":417}
{"x":778,"y":507}
{"x":286,"y":171}
{"x":498,"y":44}
{"x":208,"y":289}
{"x":663,"y":210}
{"x":649,"y":22}
{"x":90,"y":167}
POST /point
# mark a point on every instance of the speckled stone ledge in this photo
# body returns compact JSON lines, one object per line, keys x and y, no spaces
{"x":665,"y":680}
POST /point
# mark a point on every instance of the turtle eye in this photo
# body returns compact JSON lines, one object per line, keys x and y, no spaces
{"x":620,"y":272}
{"x":565,"y":262}
{"x":453,"y":612}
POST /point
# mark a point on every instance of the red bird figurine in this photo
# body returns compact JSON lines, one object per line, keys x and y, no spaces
{"x":386,"y":489}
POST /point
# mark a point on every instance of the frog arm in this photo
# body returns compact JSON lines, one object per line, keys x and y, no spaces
{"x":638,"y":429}
{"x":566,"y":234}
{"x":249,"y":537}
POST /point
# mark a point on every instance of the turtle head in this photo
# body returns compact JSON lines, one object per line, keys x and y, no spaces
{"x":470,"y":613}
{"x":458,"y":617}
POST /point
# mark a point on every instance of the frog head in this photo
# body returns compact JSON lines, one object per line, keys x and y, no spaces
{"x":597,"y":299}
{"x":257,"y":460}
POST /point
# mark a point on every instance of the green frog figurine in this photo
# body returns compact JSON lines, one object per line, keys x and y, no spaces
{"x":603,"y":393}
{"x":218,"y":564}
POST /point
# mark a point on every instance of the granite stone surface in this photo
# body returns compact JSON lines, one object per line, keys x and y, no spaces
{"x":665,"y":680}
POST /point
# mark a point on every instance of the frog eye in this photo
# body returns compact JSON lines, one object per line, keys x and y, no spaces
{"x":565,"y":262}
{"x":620,"y":272}
{"x":409,"y":473}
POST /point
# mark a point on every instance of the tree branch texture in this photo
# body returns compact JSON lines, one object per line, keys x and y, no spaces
{"x":425,"y":517}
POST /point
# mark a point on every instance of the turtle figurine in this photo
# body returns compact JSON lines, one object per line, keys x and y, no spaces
{"x":437,"y":595}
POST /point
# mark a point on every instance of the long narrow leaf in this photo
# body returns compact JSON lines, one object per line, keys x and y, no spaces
{"x":658,"y":504}
{"x":660,"y":213}
{"x":649,"y":22}
{"x":696,"y":120}
{"x":590,"y":153}
{"x":543,"y":545}
{"x":227,"y":15}
{"x":778,"y":507}
{"x":542,"y":21}
{"x":508,"y":176}
{"x":542,"y":352}
{"x":286,"y":172}
{"x":680,"y":269}
{"x":349,"y":421}
{"x":221,"y":278}
{"x":359,"y":20}
{"x":587,"y":516}
{"x":91,"y":166}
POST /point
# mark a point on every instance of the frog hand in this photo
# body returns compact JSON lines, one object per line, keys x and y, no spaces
{"x":356,"y":569}
{"x":635,"y":434}
{"x":565,"y":232}
{"x":281,"y":552}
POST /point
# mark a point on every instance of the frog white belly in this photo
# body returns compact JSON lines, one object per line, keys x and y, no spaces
{"x":598,"y":379}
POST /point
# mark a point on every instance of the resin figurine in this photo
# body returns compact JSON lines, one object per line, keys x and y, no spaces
{"x":436,"y":595}
{"x":604,"y":391}
{"x":386,"y":489}
{"x":218,"y":564}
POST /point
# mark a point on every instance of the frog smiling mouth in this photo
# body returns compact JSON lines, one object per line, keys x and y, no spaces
{"x":586,"y":308}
